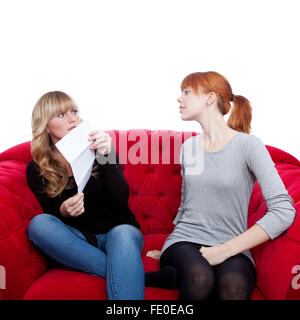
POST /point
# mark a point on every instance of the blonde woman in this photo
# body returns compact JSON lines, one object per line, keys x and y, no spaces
{"x":208,"y":253}
{"x":93,"y":231}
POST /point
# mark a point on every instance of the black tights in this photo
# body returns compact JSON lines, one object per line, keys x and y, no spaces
{"x":183,"y":267}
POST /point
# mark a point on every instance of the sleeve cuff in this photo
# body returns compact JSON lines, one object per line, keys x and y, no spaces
{"x":109,"y":158}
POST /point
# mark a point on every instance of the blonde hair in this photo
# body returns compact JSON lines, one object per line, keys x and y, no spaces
{"x":43,"y":151}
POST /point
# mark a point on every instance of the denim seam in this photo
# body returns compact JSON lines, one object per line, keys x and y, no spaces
{"x":112,"y":284}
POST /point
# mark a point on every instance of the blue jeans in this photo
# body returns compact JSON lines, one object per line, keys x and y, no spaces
{"x":117,"y":258}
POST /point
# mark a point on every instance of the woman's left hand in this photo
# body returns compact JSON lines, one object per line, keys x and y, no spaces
{"x":102,"y":141}
{"x":214,"y":255}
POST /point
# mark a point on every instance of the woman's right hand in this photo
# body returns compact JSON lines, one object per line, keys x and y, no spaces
{"x":155,"y":254}
{"x":73,"y":206}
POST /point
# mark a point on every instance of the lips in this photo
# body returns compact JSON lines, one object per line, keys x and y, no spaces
{"x":72,"y":128}
{"x":181,"y":108}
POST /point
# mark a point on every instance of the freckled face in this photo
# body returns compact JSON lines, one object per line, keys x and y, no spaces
{"x":63,"y":123}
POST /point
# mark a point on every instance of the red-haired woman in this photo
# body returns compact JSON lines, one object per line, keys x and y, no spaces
{"x":207,"y":254}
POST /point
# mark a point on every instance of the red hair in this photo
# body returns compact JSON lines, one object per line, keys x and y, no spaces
{"x":241,"y":114}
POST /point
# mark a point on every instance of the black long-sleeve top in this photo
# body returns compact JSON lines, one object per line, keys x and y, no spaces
{"x":105,"y":198}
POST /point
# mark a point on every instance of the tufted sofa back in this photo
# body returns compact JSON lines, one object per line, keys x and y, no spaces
{"x":150,"y":160}
{"x":151,"y":166}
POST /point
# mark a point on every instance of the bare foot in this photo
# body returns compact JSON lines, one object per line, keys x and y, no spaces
{"x":155,"y":254}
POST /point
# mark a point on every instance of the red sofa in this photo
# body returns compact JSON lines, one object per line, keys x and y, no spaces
{"x":154,"y":198}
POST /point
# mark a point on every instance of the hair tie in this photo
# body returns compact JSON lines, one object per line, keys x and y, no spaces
{"x":232,"y":97}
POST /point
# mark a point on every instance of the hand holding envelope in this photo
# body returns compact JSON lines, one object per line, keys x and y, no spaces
{"x":102,"y":141}
{"x":73,"y":206}
{"x":78,"y":147}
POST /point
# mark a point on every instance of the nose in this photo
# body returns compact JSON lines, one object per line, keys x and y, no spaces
{"x":179,"y":99}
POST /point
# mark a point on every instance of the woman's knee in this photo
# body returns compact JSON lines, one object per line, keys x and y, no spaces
{"x":201,"y":277}
{"x":40,"y":224}
{"x":233,"y":286}
{"x":126,"y":234}
{"x":198,"y":283}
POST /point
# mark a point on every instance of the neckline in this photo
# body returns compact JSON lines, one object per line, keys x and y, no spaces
{"x":226,"y":146}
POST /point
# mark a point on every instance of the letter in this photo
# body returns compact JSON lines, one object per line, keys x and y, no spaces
{"x":123,"y":147}
{"x":136,"y":310}
{"x":166,"y":137}
{"x":189,"y":309}
{"x":295,"y":284}
{"x":127,"y":310}
{"x":109,"y":310}
{"x":159,"y":309}
{"x":174,"y":309}
{"x":119,"y":310}
{"x":166,"y":309}
{"x":141,"y":145}
{"x":152,"y":308}
{"x":2,"y":277}
{"x":193,"y":156}
{"x":180,"y":310}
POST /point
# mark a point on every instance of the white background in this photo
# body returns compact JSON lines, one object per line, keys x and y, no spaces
{"x":123,"y":61}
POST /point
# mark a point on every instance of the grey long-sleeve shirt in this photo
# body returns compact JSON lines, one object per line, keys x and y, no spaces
{"x":216,"y":189}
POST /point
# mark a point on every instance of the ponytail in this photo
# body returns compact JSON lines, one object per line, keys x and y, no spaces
{"x":241,"y":115}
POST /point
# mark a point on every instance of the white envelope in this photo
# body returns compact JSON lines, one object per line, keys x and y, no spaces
{"x":74,"y":146}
